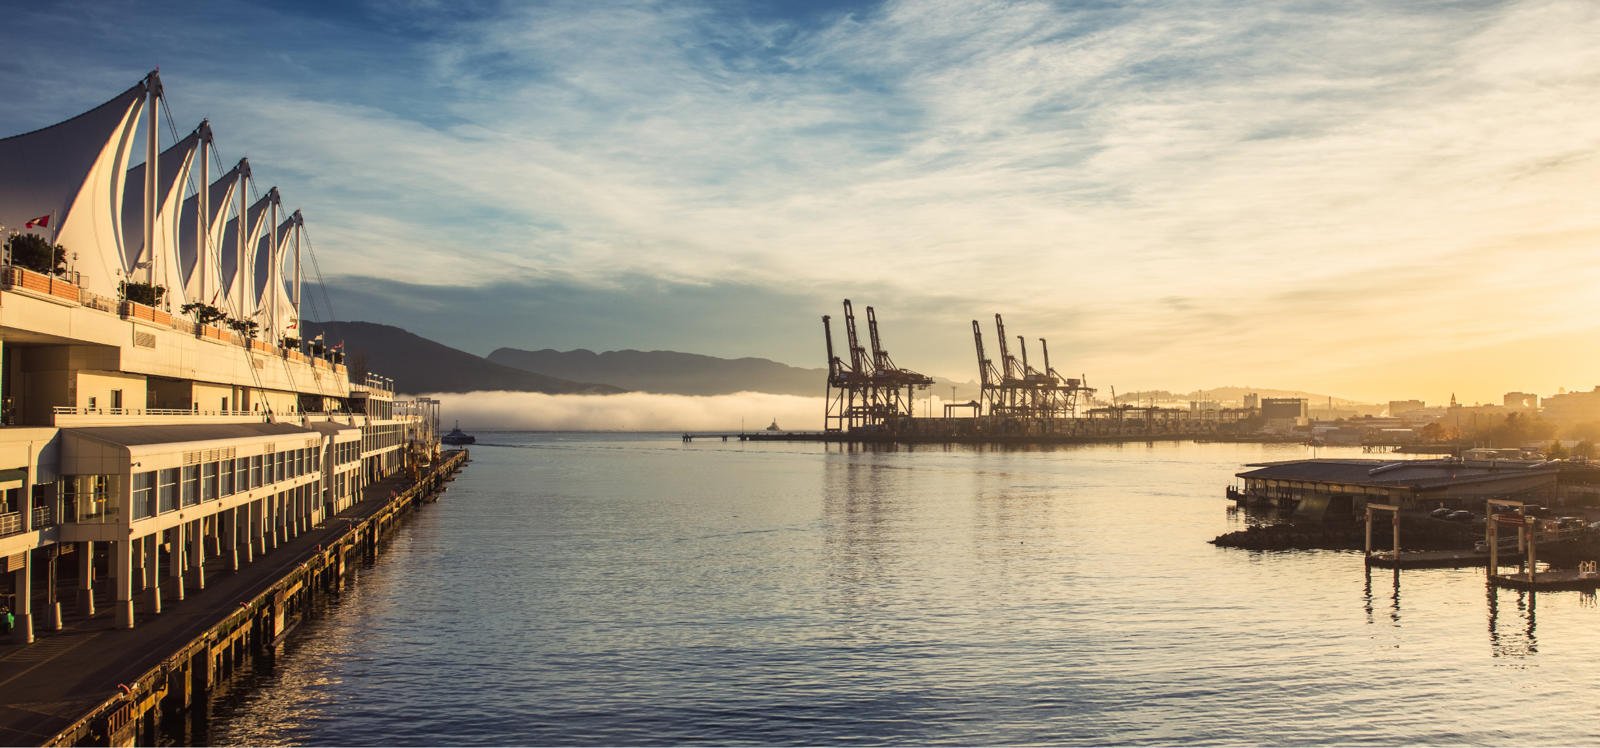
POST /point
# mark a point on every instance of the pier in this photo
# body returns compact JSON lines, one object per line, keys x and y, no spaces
{"x":96,"y":684}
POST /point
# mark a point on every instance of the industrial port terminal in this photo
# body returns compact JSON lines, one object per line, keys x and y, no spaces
{"x":870,"y":399}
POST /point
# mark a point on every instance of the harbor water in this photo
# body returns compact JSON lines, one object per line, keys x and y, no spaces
{"x":634,"y":589}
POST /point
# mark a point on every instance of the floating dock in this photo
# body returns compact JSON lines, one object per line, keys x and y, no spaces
{"x":1555,"y":579}
{"x":1428,"y":559}
{"x":93,"y":684}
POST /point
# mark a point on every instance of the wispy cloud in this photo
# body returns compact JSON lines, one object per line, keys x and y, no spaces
{"x":1219,"y":189}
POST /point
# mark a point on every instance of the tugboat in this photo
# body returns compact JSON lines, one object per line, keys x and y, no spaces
{"x":456,"y":437}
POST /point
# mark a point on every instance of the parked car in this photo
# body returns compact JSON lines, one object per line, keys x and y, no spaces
{"x":1459,"y":515}
{"x":1440,"y":513}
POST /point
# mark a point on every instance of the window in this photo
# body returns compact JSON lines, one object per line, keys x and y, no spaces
{"x":241,"y":475}
{"x":167,"y":488}
{"x":208,"y":481}
{"x":224,"y":406}
{"x":225,"y":473}
{"x":92,"y":404}
{"x":255,"y":471}
{"x":116,"y":400}
{"x":144,"y":494}
{"x":190,"y":489}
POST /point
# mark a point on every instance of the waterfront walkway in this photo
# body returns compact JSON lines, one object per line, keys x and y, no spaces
{"x":47,"y":685}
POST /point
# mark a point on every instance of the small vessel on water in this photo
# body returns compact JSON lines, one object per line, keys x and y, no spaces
{"x":457,"y":437}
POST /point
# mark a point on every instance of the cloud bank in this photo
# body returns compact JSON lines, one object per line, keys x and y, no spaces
{"x":629,"y":412}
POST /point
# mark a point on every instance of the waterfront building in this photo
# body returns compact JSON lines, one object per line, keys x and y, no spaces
{"x":159,"y":406}
{"x":1346,"y":485}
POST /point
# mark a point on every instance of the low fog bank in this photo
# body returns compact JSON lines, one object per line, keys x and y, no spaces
{"x":633,"y":411}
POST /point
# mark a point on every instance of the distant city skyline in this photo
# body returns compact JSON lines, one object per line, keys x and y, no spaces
{"x":1375,"y":200}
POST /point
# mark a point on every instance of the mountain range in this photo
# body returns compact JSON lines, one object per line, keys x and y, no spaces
{"x":420,"y":365}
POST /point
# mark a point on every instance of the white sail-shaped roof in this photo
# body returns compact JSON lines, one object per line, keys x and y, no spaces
{"x":207,"y":289}
{"x":278,"y":312}
{"x":240,"y":296}
{"x":172,"y":170}
{"x":73,"y":172}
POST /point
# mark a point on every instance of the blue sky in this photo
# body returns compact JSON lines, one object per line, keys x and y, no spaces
{"x":1378,"y":199}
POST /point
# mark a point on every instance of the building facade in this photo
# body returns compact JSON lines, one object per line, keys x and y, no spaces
{"x":157,"y":407}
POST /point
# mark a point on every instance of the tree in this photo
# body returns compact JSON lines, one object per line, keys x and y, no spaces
{"x":244,"y":327}
{"x":204,"y":314}
{"x":35,"y":253}
{"x":147,"y":294}
{"x":1556,"y":451}
{"x":1584,"y":449}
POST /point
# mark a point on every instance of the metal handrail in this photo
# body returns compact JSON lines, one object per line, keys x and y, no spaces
{"x":44,"y":516}
{"x":68,"y":410}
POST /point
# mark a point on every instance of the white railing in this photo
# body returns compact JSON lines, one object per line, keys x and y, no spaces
{"x":10,"y":523}
{"x":69,"y":410}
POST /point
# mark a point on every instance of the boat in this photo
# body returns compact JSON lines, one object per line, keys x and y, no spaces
{"x":457,"y":437}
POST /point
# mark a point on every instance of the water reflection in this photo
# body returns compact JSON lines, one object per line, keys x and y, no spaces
{"x":1518,"y":639}
{"x":1394,"y":599}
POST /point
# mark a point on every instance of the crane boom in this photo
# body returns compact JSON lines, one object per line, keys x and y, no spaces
{"x":1006,"y":362}
{"x":983,"y":362}
{"x":856,"y":352}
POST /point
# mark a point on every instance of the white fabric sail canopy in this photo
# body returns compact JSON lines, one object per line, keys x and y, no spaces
{"x":140,"y":263}
{"x":236,"y":276}
{"x":278,"y":313}
{"x":73,"y":173}
{"x":203,"y":281}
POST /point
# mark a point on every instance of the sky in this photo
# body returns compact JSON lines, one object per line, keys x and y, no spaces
{"x":1376,"y":200}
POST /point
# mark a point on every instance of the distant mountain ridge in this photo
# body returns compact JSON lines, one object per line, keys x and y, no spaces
{"x":419,"y":365}
{"x":667,"y":372}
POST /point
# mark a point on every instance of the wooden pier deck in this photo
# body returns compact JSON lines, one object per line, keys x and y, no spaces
{"x":1555,"y":579}
{"x":1428,"y":559}
{"x":93,"y":683}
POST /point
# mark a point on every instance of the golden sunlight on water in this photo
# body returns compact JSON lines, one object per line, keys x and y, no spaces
{"x":604,"y":589}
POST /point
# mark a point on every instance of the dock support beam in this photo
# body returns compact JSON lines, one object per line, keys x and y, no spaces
{"x":22,"y":579}
{"x":86,"y":578}
{"x":122,"y":560}
{"x":152,"y":573}
{"x":176,"y":562}
{"x":197,"y":554}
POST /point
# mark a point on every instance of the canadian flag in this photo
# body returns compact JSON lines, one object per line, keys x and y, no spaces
{"x":40,"y":222}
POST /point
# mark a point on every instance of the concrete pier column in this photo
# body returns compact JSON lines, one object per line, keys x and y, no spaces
{"x":177,"y":562}
{"x":22,"y":606}
{"x":52,"y":588}
{"x":122,"y":553}
{"x":152,"y":573}
{"x":231,"y":532}
{"x":257,"y":542}
{"x":86,"y":578}
{"x":197,"y":553}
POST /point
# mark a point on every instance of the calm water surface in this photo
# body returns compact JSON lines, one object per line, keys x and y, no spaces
{"x":606,"y":589}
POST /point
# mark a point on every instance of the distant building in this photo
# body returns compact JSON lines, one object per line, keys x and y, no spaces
{"x":1284,"y":413}
{"x":1252,"y":401}
{"x":1573,"y":408}
{"x":1522,"y":401}
{"x":1397,"y":407}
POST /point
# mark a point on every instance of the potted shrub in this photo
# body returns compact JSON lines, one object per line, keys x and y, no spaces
{"x":34,"y":252}
{"x":204,"y":314}
{"x":148,"y":294}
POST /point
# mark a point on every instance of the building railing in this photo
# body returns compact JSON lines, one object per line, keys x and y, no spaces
{"x":49,"y":285}
{"x":10,"y":523}
{"x":18,"y":278}
{"x":134,"y":310}
{"x":44,"y":516}
{"x":68,"y":410}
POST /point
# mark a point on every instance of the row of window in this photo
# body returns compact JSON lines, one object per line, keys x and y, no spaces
{"x":374,"y":438}
{"x":346,"y":453}
{"x":156,"y":491}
